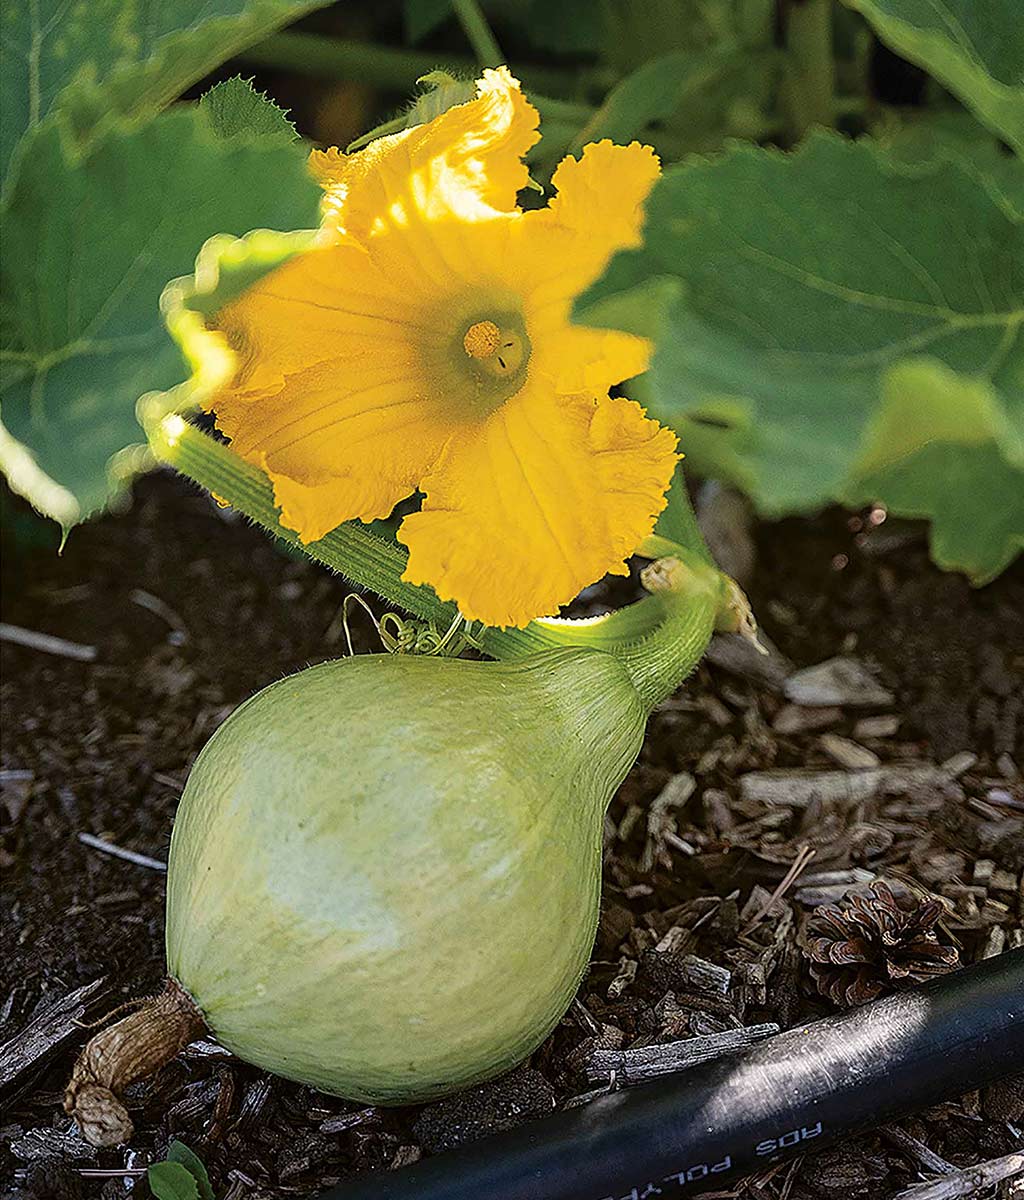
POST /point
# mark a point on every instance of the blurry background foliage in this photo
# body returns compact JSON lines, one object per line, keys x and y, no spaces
{"x":833,"y":264}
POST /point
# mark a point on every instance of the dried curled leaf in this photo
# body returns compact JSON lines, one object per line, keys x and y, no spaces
{"x":131,"y":1049}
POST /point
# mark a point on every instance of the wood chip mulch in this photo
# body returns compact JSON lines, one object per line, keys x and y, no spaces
{"x":877,"y":753}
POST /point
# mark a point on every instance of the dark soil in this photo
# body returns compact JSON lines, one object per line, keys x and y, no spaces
{"x":191,"y":611}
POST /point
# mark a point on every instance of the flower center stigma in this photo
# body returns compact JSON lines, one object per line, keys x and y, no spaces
{"x":497,"y":351}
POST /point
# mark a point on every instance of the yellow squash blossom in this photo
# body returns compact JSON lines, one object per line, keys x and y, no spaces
{"x":427,"y":344}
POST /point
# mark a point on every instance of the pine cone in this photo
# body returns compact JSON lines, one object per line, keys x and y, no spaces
{"x":875,"y":941}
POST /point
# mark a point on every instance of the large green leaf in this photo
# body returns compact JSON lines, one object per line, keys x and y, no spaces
{"x":803,"y":303}
{"x":939,"y":135}
{"x":974,"y":47}
{"x":90,"y":60}
{"x":90,"y":240}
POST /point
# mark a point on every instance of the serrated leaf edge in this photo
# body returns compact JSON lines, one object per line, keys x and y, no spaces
{"x":211,"y":361}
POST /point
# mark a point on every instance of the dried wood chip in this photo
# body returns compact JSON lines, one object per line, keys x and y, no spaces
{"x":51,"y":1029}
{"x":1007,"y":767}
{"x":1004,"y":881}
{"x":970,"y":1181}
{"x":847,"y":753}
{"x":651,"y":1062}
{"x":345,"y":1121}
{"x":703,"y":976}
{"x":405,"y":1156}
{"x":916,"y":1150}
{"x":625,"y":976}
{"x":794,"y":718}
{"x":885,"y":726}
{"x":995,"y":943}
{"x":798,"y":788}
{"x":297,"y":1159}
{"x":662,"y":830}
{"x":45,"y":642}
{"x":15,"y":789}
{"x":63,"y":1143}
{"x":716,"y":711}
{"x":849,"y":877}
{"x":739,"y":656}
{"x":674,"y":940}
{"x":984,"y":869}
{"x":840,"y":682}
{"x":716,"y":806}
{"x":959,"y":763}
{"x":831,"y":893}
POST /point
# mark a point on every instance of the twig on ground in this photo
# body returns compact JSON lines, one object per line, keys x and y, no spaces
{"x":970,"y":1181}
{"x":123,"y":1173}
{"x":803,"y":857}
{"x":161,"y":609}
{"x":132,"y":856}
{"x":46,"y":642}
{"x":651,"y":1062}
{"x":916,"y":1150}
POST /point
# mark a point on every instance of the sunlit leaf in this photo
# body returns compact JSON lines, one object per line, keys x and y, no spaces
{"x":963,"y":466}
{"x":91,"y":59}
{"x":89,"y":243}
{"x":820,"y":297}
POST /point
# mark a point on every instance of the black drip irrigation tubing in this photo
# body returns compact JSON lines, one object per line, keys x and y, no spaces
{"x":788,"y":1095}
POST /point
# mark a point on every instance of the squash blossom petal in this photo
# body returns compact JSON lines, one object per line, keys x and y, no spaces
{"x":426,"y":343}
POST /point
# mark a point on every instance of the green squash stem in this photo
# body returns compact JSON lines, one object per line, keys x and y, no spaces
{"x":660,"y":639}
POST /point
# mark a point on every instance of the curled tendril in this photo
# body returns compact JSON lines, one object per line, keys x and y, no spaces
{"x":402,"y":635}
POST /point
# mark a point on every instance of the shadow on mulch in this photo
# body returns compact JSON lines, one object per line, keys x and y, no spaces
{"x":190,"y":611}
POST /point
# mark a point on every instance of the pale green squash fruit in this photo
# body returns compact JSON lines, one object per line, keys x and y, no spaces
{"x":384,"y":874}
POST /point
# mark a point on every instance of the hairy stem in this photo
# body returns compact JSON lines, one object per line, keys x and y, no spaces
{"x":660,"y":638}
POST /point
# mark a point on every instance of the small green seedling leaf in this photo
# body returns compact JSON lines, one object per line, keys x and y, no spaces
{"x":237,"y":111}
{"x":172,"y":1181}
{"x":179,"y":1153}
{"x":974,"y":47}
{"x":857,"y":303}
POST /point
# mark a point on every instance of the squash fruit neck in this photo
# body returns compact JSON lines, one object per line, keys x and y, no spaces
{"x":684,"y":608}
{"x":660,"y":640}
